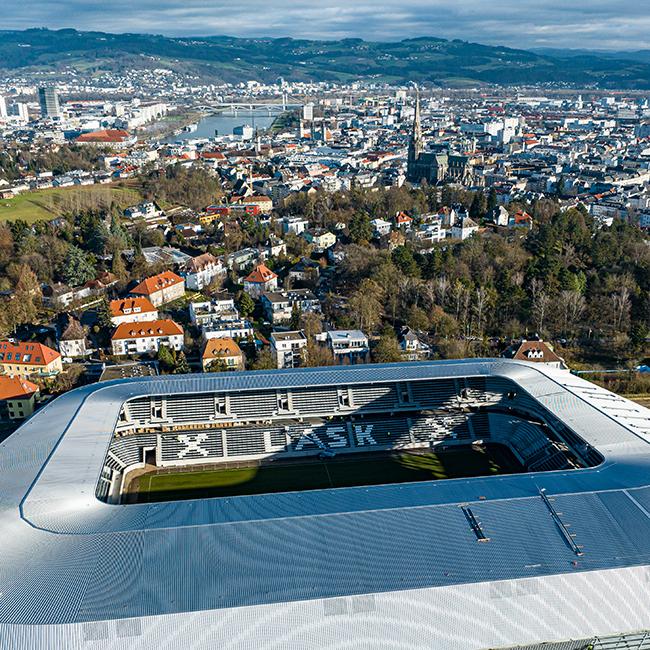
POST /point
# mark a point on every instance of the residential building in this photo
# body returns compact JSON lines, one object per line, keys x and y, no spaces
{"x":162,"y":288}
{"x":17,"y":398}
{"x":201,"y":270}
{"x":320,"y":239}
{"x":289,"y":348}
{"x":306,"y":270}
{"x":279,"y":305}
{"x":412,"y":345}
{"x":132,"y":310}
{"x":348,"y":346}
{"x":140,"y":338}
{"x":295,"y":225}
{"x":213,"y":311}
{"x":223,"y":353}
{"x":381,"y":227}
{"x":234,"y":329}
{"x":535,"y":351}
{"x":259,"y":280}
{"x":402,"y":220}
{"x":464,"y":228}
{"x":73,"y":342}
{"x":26,"y":359}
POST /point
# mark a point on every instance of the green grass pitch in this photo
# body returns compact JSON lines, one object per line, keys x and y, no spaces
{"x":399,"y":467}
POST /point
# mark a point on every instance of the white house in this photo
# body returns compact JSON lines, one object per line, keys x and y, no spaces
{"x":140,"y":338}
{"x":278,"y":305}
{"x":73,"y":342}
{"x":213,"y":311}
{"x":289,"y":348}
{"x":381,"y":227}
{"x":296,"y":225}
{"x":235,"y":329}
{"x":464,"y":228}
{"x":201,"y":270}
{"x":348,"y":345}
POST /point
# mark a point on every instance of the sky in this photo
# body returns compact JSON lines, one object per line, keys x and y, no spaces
{"x":523,"y":24}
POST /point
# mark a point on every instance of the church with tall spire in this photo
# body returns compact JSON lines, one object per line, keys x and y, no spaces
{"x":434,"y":167}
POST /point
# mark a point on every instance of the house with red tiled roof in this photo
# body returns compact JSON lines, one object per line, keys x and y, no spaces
{"x":137,"y":309}
{"x":17,"y":398}
{"x":521,"y":219}
{"x":25,"y":359}
{"x":259,"y":280}
{"x":402,"y":220}
{"x":161,"y":288}
{"x":140,"y":338}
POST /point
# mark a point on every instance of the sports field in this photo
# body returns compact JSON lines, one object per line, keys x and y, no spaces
{"x":398,"y":467}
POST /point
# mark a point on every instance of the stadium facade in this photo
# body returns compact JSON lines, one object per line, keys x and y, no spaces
{"x":558,"y":553}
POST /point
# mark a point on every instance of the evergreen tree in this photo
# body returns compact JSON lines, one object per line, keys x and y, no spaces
{"x":360,"y":228}
{"x":78,"y":267}
{"x":245,"y":304}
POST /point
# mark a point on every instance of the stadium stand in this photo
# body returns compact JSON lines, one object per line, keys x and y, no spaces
{"x":484,"y":562}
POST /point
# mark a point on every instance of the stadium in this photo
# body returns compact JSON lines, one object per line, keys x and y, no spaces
{"x":455,"y":504}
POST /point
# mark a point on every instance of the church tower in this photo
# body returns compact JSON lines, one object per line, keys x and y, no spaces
{"x":415,"y":144}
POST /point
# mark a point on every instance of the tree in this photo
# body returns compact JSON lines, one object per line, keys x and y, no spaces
{"x":245,"y":304}
{"x":118,"y":269}
{"x":387,"y":349}
{"x":172,"y":361}
{"x":104,"y":313}
{"x":78,"y":267}
{"x":403,"y":259}
{"x":264,"y":361}
{"x":360,"y":228}
{"x":572,"y":305}
{"x":417,"y":318}
{"x":318,"y":355}
{"x":296,"y":316}
{"x":478,"y":207}
{"x":491,"y":200}
{"x":365,"y":304}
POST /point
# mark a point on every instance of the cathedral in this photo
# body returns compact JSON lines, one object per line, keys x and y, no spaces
{"x":436,"y":167}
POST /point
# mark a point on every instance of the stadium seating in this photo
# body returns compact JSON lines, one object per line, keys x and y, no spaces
{"x":268,"y":424}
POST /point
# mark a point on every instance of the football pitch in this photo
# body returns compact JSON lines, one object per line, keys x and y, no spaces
{"x":347,"y":471}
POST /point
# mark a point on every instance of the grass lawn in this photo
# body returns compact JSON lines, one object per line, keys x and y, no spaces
{"x":400,"y":467}
{"x":53,"y":202}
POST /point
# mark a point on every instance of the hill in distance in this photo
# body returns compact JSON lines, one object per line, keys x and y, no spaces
{"x":431,"y":60}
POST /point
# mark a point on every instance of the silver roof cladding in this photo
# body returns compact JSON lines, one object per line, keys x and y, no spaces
{"x":372,"y":567}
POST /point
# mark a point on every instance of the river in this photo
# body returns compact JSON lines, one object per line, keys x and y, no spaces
{"x":223,"y":124}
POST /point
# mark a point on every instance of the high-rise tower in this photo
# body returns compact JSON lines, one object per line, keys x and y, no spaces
{"x":49,"y":101}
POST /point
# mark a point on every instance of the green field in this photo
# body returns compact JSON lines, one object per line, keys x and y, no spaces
{"x":346,"y":471}
{"x":53,"y":202}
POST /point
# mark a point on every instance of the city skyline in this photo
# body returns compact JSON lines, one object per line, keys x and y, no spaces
{"x":601,"y":25}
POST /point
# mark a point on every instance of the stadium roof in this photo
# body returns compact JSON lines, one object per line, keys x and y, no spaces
{"x":388,"y":566}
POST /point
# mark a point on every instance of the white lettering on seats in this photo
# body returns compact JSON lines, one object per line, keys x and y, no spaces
{"x":306,"y":438}
{"x":363,"y":435}
{"x":193,"y":444}
{"x":338,"y":437}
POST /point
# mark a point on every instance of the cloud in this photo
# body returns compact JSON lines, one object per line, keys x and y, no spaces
{"x":596,"y":24}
